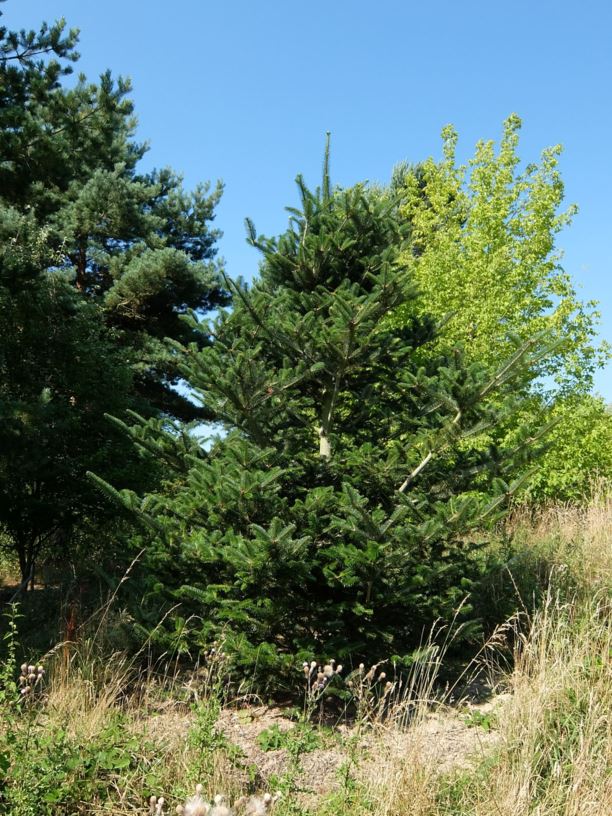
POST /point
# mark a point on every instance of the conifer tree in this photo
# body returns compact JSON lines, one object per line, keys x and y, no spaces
{"x":137,"y":245}
{"x":97,"y":263}
{"x":59,"y":373}
{"x":337,"y":510}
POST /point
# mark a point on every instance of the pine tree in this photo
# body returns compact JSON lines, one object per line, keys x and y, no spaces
{"x":137,"y":245}
{"x":338,"y":510}
{"x":97,"y":263}
{"x":59,"y":373}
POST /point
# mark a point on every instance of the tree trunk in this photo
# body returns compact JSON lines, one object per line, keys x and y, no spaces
{"x":81,"y":268}
{"x":26,"y":553}
{"x":324,"y":444}
{"x":327,"y":411}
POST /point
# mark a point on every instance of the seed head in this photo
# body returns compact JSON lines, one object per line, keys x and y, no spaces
{"x":195,"y":805}
{"x":257,"y":805}
{"x":220,"y":808}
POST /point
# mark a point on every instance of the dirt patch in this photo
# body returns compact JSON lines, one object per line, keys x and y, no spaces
{"x":450,"y":741}
{"x":318,"y":767}
{"x":446,"y":739}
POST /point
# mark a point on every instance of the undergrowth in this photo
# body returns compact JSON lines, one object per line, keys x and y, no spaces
{"x":98,"y":733}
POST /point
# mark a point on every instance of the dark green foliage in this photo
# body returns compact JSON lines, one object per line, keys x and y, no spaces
{"x":335,"y":514}
{"x":137,"y":245}
{"x":59,"y":373}
{"x":97,"y":264}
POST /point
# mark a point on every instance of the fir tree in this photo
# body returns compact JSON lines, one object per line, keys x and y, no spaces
{"x":337,"y":512}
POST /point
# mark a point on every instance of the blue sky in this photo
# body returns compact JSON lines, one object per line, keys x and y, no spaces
{"x":244,"y":91}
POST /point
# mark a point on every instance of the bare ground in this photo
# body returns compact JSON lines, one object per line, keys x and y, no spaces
{"x":451,"y":737}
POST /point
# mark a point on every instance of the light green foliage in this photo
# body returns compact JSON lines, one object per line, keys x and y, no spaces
{"x":206,"y":741}
{"x":301,"y":739}
{"x":483,"y":254}
{"x":579,"y":457}
{"x":478,"y":719}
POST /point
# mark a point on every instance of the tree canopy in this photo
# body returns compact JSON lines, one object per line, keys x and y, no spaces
{"x":483,"y":254}
{"x":137,"y":245}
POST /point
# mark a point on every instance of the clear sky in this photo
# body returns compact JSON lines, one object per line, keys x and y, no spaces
{"x":244,"y":90}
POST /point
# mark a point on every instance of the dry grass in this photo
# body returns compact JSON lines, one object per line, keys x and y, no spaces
{"x":553,"y":753}
{"x":578,"y":539}
{"x":547,"y":750}
{"x":556,"y":730}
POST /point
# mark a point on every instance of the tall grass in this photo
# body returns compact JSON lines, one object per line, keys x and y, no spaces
{"x":553,"y":752}
{"x":107,"y":734}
